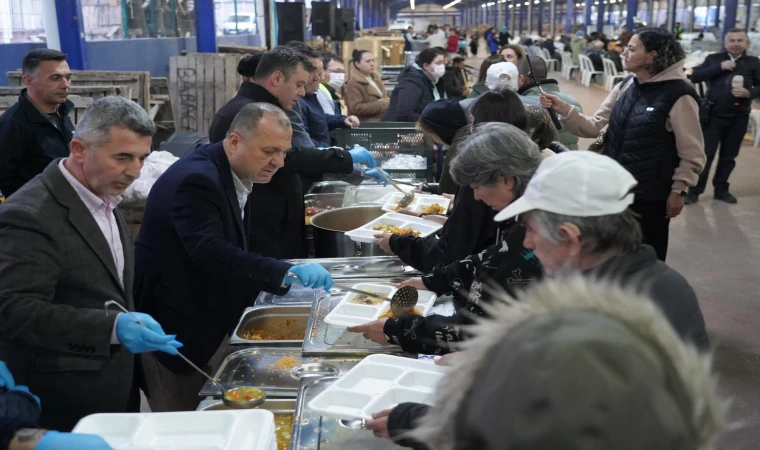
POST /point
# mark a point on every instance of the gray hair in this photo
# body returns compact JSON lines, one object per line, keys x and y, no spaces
{"x":617,"y":234}
{"x":493,"y":151}
{"x":246,"y":121}
{"x":110,"y":112}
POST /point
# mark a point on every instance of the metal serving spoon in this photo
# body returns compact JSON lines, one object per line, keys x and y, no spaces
{"x":258,"y":396}
{"x":408,"y":197}
{"x":402,"y":302}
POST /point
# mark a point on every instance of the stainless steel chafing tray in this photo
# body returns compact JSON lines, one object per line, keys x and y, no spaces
{"x":267,"y":368}
{"x":314,"y":432}
{"x":286,"y":320}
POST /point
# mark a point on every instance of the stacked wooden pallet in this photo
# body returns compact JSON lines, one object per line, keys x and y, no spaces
{"x":200,"y":84}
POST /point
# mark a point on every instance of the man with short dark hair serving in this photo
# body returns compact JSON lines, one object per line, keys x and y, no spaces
{"x":37,"y":129}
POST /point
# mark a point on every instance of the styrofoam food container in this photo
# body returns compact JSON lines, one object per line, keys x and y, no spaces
{"x":251,"y":429}
{"x":420,"y":202}
{"x":378,"y":382}
{"x":366,"y":234}
{"x":346,"y":314}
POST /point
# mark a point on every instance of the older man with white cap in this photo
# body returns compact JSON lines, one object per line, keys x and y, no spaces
{"x":577,"y":218}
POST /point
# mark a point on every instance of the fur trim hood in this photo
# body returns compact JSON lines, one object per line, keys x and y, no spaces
{"x":575,"y":364}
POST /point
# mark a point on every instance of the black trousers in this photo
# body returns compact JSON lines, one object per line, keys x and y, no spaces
{"x":728,"y":132}
{"x":654,"y":226}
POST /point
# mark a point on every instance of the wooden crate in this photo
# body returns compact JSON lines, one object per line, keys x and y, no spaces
{"x":138,"y":82}
{"x":95,"y":92}
{"x":80,"y":104}
{"x":200,"y":84}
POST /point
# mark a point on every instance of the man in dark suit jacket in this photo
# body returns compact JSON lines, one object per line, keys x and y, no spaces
{"x":37,"y":129}
{"x":277,"y":224}
{"x":66,"y":251}
{"x":194,"y":269}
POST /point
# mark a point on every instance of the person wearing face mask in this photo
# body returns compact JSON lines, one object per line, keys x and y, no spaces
{"x":365,"y":94}
{"x":416,"y":87}
{"x":332,"y":82}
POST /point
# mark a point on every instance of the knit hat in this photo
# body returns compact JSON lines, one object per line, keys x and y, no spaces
{"x":247,"y":66}
{"x":445,"y":118}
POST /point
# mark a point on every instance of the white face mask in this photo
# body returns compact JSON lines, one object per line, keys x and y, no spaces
{"x":336,"y":80}
{"x":438,"y":71}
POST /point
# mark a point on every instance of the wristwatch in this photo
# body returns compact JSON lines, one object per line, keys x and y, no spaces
{"x":680,"y":192}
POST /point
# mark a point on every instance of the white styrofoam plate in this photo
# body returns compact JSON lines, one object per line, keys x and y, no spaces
{"x":420,"y":202}
{"x":346,"y":313}
{"x":199,"y":430}
{"x":378,"y":382}
{"x":366,"y":233}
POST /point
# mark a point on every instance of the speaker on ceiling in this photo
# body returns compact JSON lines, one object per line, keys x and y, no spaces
{"x":344,"y":24}
{"x":322,"y":18}
{"x":291,"y":22}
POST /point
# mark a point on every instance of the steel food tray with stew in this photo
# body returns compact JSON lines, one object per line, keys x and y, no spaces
{"x":278,"y":325}
{"x":251,"y":429}
{"x":377,"y":383}
{"x":394,"y":223}
{"x":422,"y":203}
{"x":275,"y":370}
{"x":357,"y":309}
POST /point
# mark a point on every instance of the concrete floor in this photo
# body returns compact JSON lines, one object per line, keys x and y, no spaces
{"x":716,"y":246}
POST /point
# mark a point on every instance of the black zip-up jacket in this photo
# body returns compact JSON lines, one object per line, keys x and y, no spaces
{"x":469,"y":229}
{"x":277,"y":224}
{"x":411,"y":95}
{"x":719,"y":83}
{"x":506,"y":265}
{"x":29,"y":142}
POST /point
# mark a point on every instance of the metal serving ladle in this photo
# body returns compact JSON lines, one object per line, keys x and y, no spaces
{"x":408,"y":197}
{"x":258,"y":399}
{"x":402,"y":302}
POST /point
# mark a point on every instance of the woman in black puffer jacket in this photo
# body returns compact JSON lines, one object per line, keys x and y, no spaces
{"x":416,"y":87}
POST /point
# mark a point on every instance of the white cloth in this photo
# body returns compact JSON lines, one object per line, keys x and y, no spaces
{"x":325,"y":100}
{"x":242,"y":191}
{"x":155,"y":165}
{"x":577,"y":184}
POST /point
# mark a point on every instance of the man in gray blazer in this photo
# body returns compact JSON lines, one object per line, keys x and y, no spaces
{"x":64,"y":251}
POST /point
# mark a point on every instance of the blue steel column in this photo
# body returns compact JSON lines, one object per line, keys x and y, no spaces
{"x":71,"y":33}
{"x":631,"y":8}
{"x":540,"y":16}
{"x":729,"y":21}
{"x":569,"y":13}
{"x":205,"y":30}
{"x":747,"y":7}
{"x":587,"y":15}
{"x":599,"y":17}
{"x":717,"y":13}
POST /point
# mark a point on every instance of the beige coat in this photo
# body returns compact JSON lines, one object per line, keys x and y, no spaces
{"x":363,"y":100}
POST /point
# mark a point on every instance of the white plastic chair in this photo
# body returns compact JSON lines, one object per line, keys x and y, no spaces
{"x":611,"y":75}
{"x":551,"y":63}
{"x":567,"y":66}
{"x":587,"y":70}
{"x":754,"y":126}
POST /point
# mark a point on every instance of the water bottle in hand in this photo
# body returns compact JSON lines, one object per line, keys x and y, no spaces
{"x":737,"y":82}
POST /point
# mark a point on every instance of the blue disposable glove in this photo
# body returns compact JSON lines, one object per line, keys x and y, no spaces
{"x":139,"y":339}
{"x":361,"y":155}
{"x":375,"y":173}
{"x":6,"y":378}
{"x":54,"y":440}
{"x":311,"y":275}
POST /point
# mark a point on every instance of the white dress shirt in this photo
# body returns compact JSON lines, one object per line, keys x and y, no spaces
{"x":242,"y":191}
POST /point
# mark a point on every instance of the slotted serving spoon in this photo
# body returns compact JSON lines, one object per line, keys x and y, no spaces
{"x":402,"y":302}
{"x":408,"y":197}
{"x":258,"y":398}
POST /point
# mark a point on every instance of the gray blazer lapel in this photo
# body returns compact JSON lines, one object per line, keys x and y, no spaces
{"x":81,"y":219}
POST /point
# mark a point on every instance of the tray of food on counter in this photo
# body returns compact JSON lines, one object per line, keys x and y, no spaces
{"x":422,"y":204}
{"x":284,"y":410}
{"x":251,"y":429}
{"x":275,"y":370}
{"x":312,"y":431}
{"x":278,"y":325}
{"x":394,"y":223}
{"x":377,"y":383}
{"x":357,"y":309}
